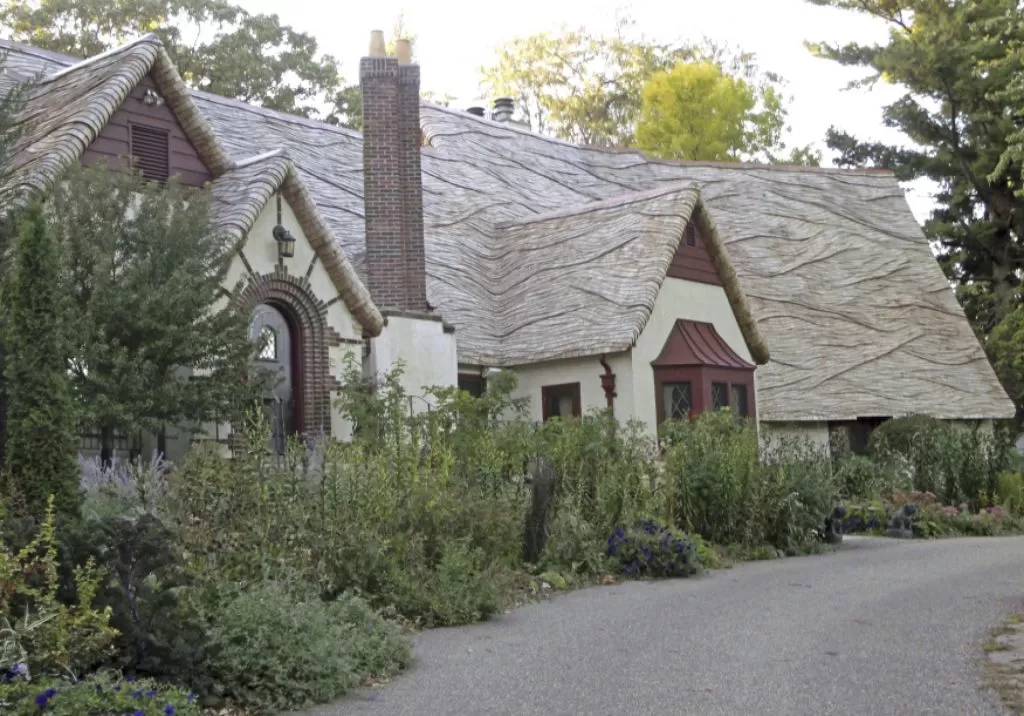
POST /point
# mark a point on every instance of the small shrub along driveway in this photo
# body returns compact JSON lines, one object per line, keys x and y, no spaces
{"x":882,"y":627}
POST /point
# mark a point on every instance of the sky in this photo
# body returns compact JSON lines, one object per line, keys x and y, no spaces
{"x":454,"y":38}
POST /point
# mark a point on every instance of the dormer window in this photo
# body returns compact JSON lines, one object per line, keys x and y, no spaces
{"x":150,"y":148}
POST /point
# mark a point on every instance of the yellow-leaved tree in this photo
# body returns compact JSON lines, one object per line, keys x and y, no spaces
{"x":696,"y":111}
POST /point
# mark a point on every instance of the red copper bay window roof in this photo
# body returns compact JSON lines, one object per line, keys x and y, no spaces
{"x":693,"y":343}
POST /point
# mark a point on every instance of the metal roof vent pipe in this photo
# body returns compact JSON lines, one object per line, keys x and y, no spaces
{"x":503,"y":108}
{"x":476,"y":111}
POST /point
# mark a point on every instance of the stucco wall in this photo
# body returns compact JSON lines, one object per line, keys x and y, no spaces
{"x":426,"y":350}
{"x":260,"y":251}
{"x":814,"y":432}
{"x":585,"y":371}
{"x":678,"y":298}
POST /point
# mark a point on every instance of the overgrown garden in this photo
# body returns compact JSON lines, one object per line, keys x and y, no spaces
{"x":269,"y":583}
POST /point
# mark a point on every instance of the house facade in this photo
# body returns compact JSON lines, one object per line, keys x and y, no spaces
{"x":459,"y":245}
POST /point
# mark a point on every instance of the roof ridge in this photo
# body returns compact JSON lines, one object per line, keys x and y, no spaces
{"x":145,"y":39}
{"x":632,"y":151}
{"x":624,"y":199}
{"x":283,"y":116}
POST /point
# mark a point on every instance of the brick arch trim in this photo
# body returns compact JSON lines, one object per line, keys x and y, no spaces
{"x":308,"y":313}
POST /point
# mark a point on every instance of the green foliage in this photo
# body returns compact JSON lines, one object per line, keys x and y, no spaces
{"x":860,"y":476}
{"x":957,"y":462}
{"x":376,"y":649}
{"x":144,"y":267}
{"x":100,"y":694}
{"x":460,"y":589}
{"x":959,"y":66}
{"x":40,"y":420}
{"x":574,"y":544}
{"x":696,"y":111}
{"x":146,"y":591}
{"x":216,"y":46}
{"x":1005,"y":348}
{"x":39,"y":630}
{"x":1009,"y":492}
{"x":271,"y":650}
{"x":716,"y":485}
{"x":587,"y":88}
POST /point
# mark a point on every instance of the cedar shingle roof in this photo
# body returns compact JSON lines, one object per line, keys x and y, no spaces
{"x":73,"y":102}
{"x":834,"y":269}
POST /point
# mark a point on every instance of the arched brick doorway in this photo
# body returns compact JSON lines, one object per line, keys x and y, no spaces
{"x":289,"y":307}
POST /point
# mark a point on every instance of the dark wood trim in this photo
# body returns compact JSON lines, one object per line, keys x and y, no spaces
{"x":700,"y":379}
{"x":550,"y":391}
{"x":112,"y":145}
{"x":692,"y":261}
{"x":685,"y":374}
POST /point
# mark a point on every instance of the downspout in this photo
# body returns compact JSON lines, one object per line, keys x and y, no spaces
{"x":608,"y":383}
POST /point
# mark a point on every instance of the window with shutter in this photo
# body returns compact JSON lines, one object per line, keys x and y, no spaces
{"x":150,"y":148}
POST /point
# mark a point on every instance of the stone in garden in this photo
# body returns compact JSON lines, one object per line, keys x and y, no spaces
{"x":900,"y":526}
{"x":834,"y":525}
{"x":541,"y":475}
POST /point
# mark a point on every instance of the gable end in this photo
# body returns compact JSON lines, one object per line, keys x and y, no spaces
{"x":692,"y":260}
{"x":140,"y":128}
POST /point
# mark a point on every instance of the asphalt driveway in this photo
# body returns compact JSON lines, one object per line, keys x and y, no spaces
{"x":883,"y":627}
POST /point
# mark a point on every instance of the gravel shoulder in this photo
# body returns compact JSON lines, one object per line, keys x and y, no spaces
{"x":881,"y":627}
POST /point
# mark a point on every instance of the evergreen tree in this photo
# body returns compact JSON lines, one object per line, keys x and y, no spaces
{"x":959,"y":62}
{"x":42,"y":429}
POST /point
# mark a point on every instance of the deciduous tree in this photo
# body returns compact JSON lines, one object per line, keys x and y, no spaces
{"x":588,"y":88}
{"x":217,"y":46}
{"x":696,"y":111}
{"x":144,"y":273}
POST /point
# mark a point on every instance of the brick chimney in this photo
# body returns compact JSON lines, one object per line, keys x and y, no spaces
{"x":392,"y":182}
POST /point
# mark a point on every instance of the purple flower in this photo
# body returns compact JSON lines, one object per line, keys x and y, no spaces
{"x":43,"y":698}
{"x":191,"y":698}
{"x":169,"y":710}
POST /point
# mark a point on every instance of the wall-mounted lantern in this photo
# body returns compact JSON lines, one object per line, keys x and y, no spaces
{"x":283,"y":237}
{"x":285,"y":242}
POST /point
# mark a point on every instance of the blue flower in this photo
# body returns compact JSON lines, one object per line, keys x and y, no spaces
{"x":169,"y":710}
{"x":129,"y":679}
{"x":191,"y":698}
{"x":43,"y":698}
{"x":151,"y":693}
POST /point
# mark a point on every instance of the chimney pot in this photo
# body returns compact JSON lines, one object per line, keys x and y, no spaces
{"x":377,"y":48}
{"x":403,"y":50}
{"x":503,"y":108}
{"x":476,"y":111}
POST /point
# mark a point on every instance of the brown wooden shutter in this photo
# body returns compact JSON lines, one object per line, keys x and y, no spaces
{"x":150,"y":148}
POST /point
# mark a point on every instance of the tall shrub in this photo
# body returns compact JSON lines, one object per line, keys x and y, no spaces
{"x":145,"y":271}
{"x":41,"y":433}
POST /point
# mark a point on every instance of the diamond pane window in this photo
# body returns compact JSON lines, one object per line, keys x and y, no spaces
{"x":677,"y":400}
{"x":719,"y":395}
{"x":268,"y":342}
